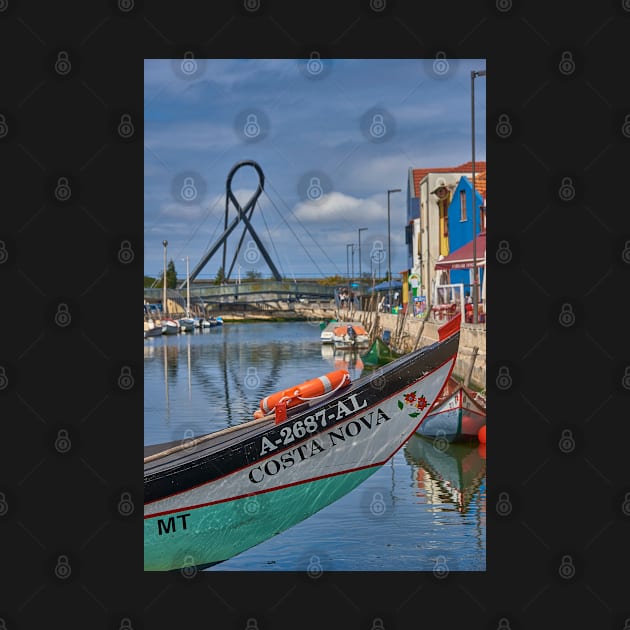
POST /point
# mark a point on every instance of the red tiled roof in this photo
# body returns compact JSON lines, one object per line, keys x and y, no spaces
{"x":419,"y":173}
{"x":480,"y":182}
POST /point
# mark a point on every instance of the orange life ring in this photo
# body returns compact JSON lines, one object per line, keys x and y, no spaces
{"x":304,"y":391}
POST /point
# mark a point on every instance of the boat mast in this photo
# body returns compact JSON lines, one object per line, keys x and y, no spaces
{"x":187,"y":287}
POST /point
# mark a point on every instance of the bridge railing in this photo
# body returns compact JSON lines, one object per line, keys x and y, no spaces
{"x":264,"y":291}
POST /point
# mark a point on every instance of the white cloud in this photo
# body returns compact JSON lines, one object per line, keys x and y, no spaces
{"x":337,"y":206}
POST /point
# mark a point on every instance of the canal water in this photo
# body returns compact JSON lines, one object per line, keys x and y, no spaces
{"x":424,"y":510}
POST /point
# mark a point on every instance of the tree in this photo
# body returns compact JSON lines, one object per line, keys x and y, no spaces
{"x":220,"y":277}
{"x":171,"y":276}
{"x":252,"y":274}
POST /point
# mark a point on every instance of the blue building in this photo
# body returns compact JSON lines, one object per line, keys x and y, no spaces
{"x":459,"y":225}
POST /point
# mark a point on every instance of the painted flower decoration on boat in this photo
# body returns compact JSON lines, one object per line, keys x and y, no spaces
{"x":415,"y":401}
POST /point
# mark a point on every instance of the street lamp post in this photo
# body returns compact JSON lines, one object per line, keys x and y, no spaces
{"x":165,"y":243}
{"x":389,"y":251}
{"x":473,"y":75}
{"x":187,"y":259}
{"x":348,"y":267}
{"x":360,"y":230}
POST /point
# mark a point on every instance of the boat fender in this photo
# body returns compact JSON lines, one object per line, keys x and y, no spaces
{"x":314,"y":388}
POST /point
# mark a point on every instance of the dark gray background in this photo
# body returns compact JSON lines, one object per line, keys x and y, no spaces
{"x":71,"y":402}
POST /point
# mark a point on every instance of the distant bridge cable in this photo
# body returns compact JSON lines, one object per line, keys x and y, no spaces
{"x":273,"y":245}
{"x":297,"y":238}
{"x":306,"y":230}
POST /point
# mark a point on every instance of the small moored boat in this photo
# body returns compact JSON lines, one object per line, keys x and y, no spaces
{"x":350,"y":336}
{"x":456,"y":416}
{"x":170,"y":326}
{"x":187,"y":324}
{"x":379,"y":354}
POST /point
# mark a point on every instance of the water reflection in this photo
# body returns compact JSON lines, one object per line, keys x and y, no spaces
{"x":445,"y":474}
{"x":343,"y":359}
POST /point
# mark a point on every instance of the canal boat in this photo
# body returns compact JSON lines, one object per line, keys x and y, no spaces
{"x":379,"y":353}
{"x":457,"y":415}
{"x":151,"y":329}
{"x":187,"y":324}
{"x":327,"y":333}
{"x":170,"y":326}
{"x":349,"y":336}
{"x":210,"y":498}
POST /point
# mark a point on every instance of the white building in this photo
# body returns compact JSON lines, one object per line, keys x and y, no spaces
{"x":429,"y":192}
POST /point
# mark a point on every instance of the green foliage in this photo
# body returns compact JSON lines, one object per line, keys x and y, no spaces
{"x":220,"y":277}
{"x":252,"y":274}
{"x":171,"y":276}
{"x":148,"y":282}
{"x":333,"y":281}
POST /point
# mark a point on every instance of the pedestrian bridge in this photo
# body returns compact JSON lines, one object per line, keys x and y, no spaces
{"x":250,"y":292}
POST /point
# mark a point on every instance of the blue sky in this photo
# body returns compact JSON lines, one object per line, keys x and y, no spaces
{"x":331,"y":136}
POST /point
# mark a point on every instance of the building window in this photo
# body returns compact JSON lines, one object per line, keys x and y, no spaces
{"x":462,"y":205}
{"x":444,"y":214}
